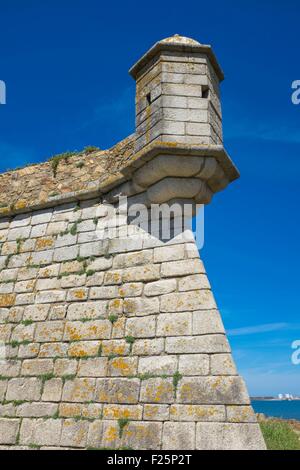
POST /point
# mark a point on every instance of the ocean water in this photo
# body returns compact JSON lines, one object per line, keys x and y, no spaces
{"x":278,"y":409}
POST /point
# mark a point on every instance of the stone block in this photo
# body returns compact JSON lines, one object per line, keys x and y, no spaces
{"x":158,"y":365}
{"x":132,"y":412}
{"x":160,"y":287}
{"x":73,"y":281}
{"x":168,"y":253}
{"x":143,"y":327}
{"x":53,"y":349}
{"x":117,"y":390}
{"x":94,"y":329}
{"x":193,"y":282}
{"x":207,"y":322}
{"x":74,"y":433}
{"x":197,"y":344}
{"x":113,"y":277}
{"x":212,"y":390}
{"x":9,"y":368}
{"x":37,"y":312}
{"x":107,"y":292}
{"x":3,"y":387}
{"x":123,"y":366}
{"x":222,"y":364}
{"x":94,"y":367}
{"x":49,"y":331}
{"x":34,"y":367}
{"x":23,"y":333}
{"x":63,"y":367}
{"x":9,"y":430}
{"x":141,"y":273}
{"x":178,"y":436}
{"x":157,"y":390}
{"x":197,"y":413}
{"x":156,"y":412}
{"x":50,"y":296}
{"x":140,"y":306}
{"x":87,"y":310}
{"x":125,"y":260}
{"x":182,"y":268}
{"x":174,"y":324}
{"x":79,"y":390}
{"x":148,"y":347}
{"x":240,"y":414}
{"x":94,"y":439}
{"x":132,"y":289}
{"x":23,"y":389}
{"x":36,"y":410}
{"x":187,"y":301}
{"x":52,"y":390}
{"x":194,"y":364}
{"x":142,"y":435}
{"x":229,"y":436}
{"x":118,"y":347}
{"x":82,"y":349}
{"x":41,"y":432}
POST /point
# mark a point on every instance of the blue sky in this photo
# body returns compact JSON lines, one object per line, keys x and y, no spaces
{"x":65,"y":66}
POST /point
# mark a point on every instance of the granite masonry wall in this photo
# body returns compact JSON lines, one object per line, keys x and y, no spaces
{"x":112,"y":343}
{"x":110,"y":337}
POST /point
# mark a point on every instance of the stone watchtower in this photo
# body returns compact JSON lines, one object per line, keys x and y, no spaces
{"x":115,"y":341}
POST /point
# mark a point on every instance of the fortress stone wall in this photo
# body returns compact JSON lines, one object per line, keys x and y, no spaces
{"x":111,"y":337}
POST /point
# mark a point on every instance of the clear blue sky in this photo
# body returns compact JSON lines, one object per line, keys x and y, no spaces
{"x":65,"y":65}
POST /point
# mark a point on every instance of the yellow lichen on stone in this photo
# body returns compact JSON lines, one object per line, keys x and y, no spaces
{"x":7,"y":300}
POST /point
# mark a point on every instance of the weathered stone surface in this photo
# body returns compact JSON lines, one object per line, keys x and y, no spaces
{"x":240,"y":414}
{"x":79,"y":390}
{"x":35,"y":367}
{"x":52,"y":390}
{"x":194,"y":364}
{"x":182,"y":268}
{"x":207,"y":321}
{"x":157,"y":390}
{"x":160,"y":287}
{"x":77,"y":331}
{"x":141,"y":273}
{"x":148,"y":347}
{"x":174,"y":324}
{"x":8,"y":430}
{"x":41,"y":432}
{"x":186,"y":301}
{"x":228,"y":436}
{"x":143,"y":327}
{"x":82,"y":349}
{"x":197,"y":413}
{"x":123,"y":367}
{"x":178,"y":436}
{"x":74,"y":433}
{"x":36,"y":410}
{"x":140,"y":306}
{"x":197,"y":344}
{"x":212,"y":390}
{"x":87,"y":310}
{"x":93,"y":367}
{"x":222,"y":364}
{"x":158,"y":365}
{"x":156,"y":412}
{"x":104,"y":318}
{"x":49,"y":331}
{"x":132,"y":412}
{"x":23,"y":389}
{"x":117,"y":390}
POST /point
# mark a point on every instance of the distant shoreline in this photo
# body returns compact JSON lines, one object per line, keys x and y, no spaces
{"x":273,"y":399}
